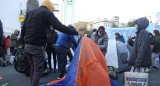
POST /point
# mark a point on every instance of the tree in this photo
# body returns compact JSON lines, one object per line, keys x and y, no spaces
{"x":114,"y":25}
{"x":131,"y":23}
{"x":85,"y":30}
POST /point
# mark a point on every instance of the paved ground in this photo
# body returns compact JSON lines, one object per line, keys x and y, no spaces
{"x":17,"y":79}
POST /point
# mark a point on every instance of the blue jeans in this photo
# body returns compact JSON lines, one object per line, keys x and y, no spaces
{"x":62,"y":59}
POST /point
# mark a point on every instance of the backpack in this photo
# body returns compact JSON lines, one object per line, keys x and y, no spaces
{"x":21,"y":63}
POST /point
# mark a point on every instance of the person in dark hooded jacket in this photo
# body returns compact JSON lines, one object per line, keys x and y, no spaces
{"x":119,"y":37}
{"x":140,"y":57}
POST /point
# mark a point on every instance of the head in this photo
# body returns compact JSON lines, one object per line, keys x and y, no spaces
{"x":72,"y":27}
{"x":101,"y":30}
{"x":156,"y":33}
{"x":117,"y":35}
{"x":49,"y":5}
{"x":94,"y":30}
{"x":141,"y":23}
{"x":8,"y":37}
{"x":16,"y":32}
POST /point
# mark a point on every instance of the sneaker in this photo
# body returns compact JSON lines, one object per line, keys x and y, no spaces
{"x":59,"y":78}
{"x":147,"y":70}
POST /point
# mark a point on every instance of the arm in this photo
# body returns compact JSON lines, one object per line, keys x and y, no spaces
{"x":73,"y":40}
{"x":1,"y":30}
{"x":142,"y":48}
{"x":58,"y":25}
{"x":105,"y":43}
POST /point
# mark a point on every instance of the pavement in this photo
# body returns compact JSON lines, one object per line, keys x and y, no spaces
{"x":13,"y":78}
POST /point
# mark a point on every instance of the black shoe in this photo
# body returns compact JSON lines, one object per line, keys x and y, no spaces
{"x":155,"y":68}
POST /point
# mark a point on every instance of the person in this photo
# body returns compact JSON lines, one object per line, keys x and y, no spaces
{"x":61,"y":51}
{"x":51,"y":40}
{"x":100,"y":37}
{"x":13,"y":40}
{"x":89,"y":35}
{"x":34,"y":36}
{"x":7,"y":42}
{"x":140,"y":56}
{"x":119,"y":37}
{"x":1,"y":39}
{"x":156,"y":49}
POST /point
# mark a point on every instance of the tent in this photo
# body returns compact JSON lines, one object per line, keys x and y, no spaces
{"x":117,"y":55}
{"x":88,"y":67}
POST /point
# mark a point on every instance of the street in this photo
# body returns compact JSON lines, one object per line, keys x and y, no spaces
{"x":14,"y":78}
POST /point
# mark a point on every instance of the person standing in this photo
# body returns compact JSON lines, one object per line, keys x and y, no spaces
{"x":61,"y":45}
{"x":119,"y":37}
{"x":140,"y":56}
{"x":34,"y":36}
{"x":51,"y":41}
{"x":13,"y":40}
{"x":156,"y":49}
{"x":1,"y":41}
{"x":100,"y":37}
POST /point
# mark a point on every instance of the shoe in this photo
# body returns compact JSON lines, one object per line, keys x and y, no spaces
{"x":147,"y":70}
{"x":155,"y":68}
{"x":59,"y":78}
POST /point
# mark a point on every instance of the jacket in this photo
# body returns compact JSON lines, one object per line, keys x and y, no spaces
{"x":101,"y":41}
{"x":35,"y":26}
{"x":141,"y":52}
{"x":52,"y":37}
{"x":13,"y":39}
{"x":156,"y":43}
{"x":120,"y":38}
{"x":65,"y":39}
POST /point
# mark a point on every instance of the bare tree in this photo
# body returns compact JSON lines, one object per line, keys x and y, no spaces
{"x":32,"y":4}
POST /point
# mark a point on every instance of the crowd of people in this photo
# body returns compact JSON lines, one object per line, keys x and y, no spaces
{"x":38,"y":36}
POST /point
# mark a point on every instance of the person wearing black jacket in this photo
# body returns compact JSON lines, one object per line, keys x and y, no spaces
{"x":34,"y":36}
{"x":51,"y":40}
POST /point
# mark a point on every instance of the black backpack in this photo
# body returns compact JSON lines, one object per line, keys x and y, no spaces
{"x":21,"y":63}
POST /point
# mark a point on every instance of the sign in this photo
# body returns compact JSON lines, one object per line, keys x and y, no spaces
{"x":21,"y":18}
{"x":136,"y":79}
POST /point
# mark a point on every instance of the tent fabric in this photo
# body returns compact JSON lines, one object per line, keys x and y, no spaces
{"x":88,"y":67}
{"x":111,"y":55}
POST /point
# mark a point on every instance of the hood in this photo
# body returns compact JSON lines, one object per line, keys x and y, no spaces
{"x":49,"y":5}
{"x":16,"y":31}
{"x":142,"y":23}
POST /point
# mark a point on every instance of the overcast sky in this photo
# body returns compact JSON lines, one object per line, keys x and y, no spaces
{"x":90,"y":10}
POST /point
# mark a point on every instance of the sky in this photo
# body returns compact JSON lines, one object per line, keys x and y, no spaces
{"x":91,"y":10}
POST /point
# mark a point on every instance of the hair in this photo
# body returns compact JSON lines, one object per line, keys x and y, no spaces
{"x":117,"y":34}
{"x":156,"y":32}
{"x":94,"y":30}
{"x":8,"y":37}
{"x":101,"y":27}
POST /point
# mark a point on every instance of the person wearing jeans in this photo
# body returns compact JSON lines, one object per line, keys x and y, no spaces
{"x":61,"y":45}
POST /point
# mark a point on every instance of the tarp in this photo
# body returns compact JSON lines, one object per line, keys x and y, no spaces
{"x":117,"y":55}
{"x":88,"y":67}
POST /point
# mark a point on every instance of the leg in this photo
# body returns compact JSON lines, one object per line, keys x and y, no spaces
{"x":63,"y":58}
{"x":70,"y":55}
{"x":49,"y":59}
{"x":54,"y":58}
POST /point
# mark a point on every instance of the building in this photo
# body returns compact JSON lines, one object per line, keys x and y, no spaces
{"x":100,"y":22}
{"x":116,"y":21}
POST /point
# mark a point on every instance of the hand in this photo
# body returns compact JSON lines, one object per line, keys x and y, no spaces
{"x":80,"y":33}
